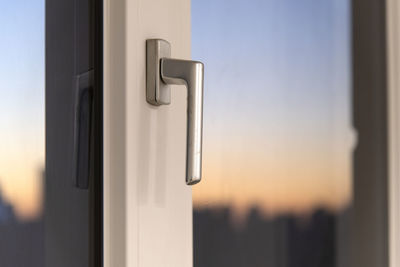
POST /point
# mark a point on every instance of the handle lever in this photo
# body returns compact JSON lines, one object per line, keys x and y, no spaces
{"x":163,"y":71}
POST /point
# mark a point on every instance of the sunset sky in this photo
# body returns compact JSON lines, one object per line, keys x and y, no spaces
{"x":277,"y":107}
{"x":22,"y":105}
{"x":277,"y":121}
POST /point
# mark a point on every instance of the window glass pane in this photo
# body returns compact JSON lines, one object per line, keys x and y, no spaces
{"x":22,"y":139}
{"x":277,"y":184}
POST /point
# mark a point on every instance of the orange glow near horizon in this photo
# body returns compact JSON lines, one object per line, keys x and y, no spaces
{"x":22,"y":188}
{"x":276,"y":178}
{"x":21,"y":173}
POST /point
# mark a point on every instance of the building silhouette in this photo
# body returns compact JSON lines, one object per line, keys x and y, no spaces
{"x":21,"y":242}
{"x":283,"y":241}
{"x":6,"y":211}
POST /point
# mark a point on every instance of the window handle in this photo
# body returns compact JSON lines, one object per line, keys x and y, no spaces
{"x":163,"y":71}
{"x":83,"y":113}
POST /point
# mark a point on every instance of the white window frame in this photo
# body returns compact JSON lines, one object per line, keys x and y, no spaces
{"x":393,"y":61}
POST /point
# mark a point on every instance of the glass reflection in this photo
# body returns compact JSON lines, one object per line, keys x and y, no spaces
{"x":277,"y":127}
{"x":22,"y":133}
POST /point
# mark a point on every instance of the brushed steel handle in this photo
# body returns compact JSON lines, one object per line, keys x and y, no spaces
{"x":163,"y":71}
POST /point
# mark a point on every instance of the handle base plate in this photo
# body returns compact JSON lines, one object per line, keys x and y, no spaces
{"x":157,"y":92}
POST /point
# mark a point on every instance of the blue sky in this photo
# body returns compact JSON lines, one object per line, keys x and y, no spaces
{"x":273,"y":53}
{"x":277,"y":106}
{"x":22,"y":63}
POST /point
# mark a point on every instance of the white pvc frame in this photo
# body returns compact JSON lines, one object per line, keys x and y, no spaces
{"x":393,"y":61}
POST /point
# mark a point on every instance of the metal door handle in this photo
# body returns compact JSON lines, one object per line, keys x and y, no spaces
{"x":162,"y":71}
